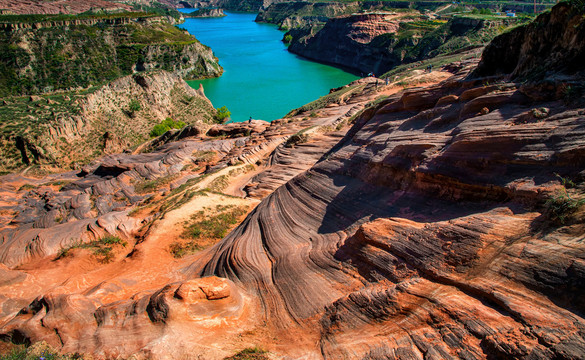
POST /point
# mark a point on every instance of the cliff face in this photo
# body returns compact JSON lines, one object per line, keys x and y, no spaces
{"x":377,"y":42}
{"x":42,"y":57}
{"x":553,"y":43}
{"x":206,"y":13}
{"x":69,"y":130}
{"x":291,"y":15}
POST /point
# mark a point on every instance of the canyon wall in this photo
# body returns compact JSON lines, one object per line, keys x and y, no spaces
{"x":379,"y":41}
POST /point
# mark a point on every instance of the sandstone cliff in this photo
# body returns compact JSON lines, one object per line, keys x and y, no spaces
{"x":554,"y":43}
{"x":199,"y":13}
{"x":377,"y":42}
{"x":289,"y":15}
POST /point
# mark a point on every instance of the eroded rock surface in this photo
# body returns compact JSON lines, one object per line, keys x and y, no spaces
{"x":429,"y":230}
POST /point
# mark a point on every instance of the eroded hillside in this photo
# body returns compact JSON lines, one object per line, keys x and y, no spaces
{"x":48,"y":55}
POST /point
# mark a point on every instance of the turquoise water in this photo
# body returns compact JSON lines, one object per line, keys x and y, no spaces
{"x":261,"y":78}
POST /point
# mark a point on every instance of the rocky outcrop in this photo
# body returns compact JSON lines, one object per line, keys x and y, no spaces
{"x":446,"y":223}
{"x":238,"y":129}
{"x":289,"y":15}
{"x":377,"y":42}
{"x":432,"y":264}
{"x":553,"y":43}
{"x":206,"y":13}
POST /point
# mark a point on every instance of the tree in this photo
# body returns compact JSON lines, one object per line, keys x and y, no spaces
{"x":222,"y":114}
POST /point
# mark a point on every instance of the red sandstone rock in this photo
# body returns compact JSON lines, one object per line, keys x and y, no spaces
{"x":421,"y":234}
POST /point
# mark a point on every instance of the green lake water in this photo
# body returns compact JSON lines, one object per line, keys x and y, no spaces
{"x":261,"y":78}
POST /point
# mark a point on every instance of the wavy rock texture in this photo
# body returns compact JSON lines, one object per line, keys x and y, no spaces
{"x":454,"y":255}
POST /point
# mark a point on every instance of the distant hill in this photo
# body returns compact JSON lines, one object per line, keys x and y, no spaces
{"x":59,"y":7}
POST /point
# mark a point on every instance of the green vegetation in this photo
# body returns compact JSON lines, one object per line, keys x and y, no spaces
{"x":134,"y":107}
{"x":287,"y":38}
{"x":34,"y":119}
{"x":222,"y":114}
{"x":40,"y":350}
{"x":81,"y":55}
{"x":219,"y":184}
{"x":166,"y":125}
{"x":253,"y":353}
{"x":201,"y":156}
{"x":27,"y":187}
{"x":206,"y":228}
{"x":149,"y":186}
{"x":102,"y":248}
{"x":89,"y":15}
{"x":561,"y":206}
{"x":298,"y":138}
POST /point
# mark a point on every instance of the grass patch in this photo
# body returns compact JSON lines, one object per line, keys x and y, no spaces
{"x":200,"y":156}
{"x":206,"y":227}
{"x":39,"y":350}
{"x":149,"y":186}
{"x":102,"y":248}
{"x":252,"y":353}
{"x":219,"y":184}
{"x":559,"y":208}
{"x":27,"y":187}
{"x":300,"y":137}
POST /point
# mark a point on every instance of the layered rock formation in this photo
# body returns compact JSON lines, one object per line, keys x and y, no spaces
{"x":294,"y":14}
{"x":446,"y":223}
{"x":377,"y":42}
{"x":206,"y":13}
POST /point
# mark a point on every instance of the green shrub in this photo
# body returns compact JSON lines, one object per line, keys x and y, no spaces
{"x":152,"y":185}
{"x":287,"y":39}
{"x":222,"y":114}
{"x":560,"y":207}
{"x":298,"y":138}
{"x":206,"y":229}
{"x":133,"y":107}
{"x":166,"y":125}
{"x":112,"y":240}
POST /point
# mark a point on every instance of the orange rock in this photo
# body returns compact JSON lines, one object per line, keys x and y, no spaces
{"x":449,"y":99}
{"x":210,"y":288}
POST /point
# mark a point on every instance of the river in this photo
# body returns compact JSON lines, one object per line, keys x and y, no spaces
{"x":261,"y":78}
